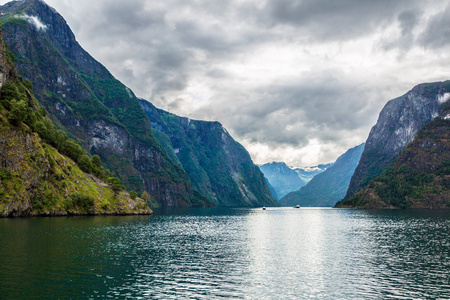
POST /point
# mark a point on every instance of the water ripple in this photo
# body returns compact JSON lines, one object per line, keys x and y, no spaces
{"x":231,"y":254}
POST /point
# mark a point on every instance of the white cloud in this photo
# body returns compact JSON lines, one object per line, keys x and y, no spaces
{"x":444,"y":98}
{"x":35,"y":21}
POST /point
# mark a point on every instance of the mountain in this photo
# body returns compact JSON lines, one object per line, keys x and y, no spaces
{"x":308,"y":173}
{"x":282,"y":178}
{"x":330,"y":186}
{"x":397,"y":125}
{"x":419,"y":176}
{"x":285,"y":179}
{"x":218,"y":166}
{"x":35,"y":178}
{"x":84,"y":99}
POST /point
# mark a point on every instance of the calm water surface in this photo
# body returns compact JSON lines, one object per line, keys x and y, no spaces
{"x":280,"y":253}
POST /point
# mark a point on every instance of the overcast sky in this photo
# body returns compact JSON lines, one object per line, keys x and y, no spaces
{"x":291,"y":80}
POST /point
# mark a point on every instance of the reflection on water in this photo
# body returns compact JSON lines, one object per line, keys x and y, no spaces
{"x":280,"y":253}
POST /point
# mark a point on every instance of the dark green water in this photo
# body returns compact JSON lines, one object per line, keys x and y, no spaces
{"x":280,"y":253}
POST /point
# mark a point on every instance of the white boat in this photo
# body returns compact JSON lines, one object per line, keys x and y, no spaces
{"x":264,"y":208}
{"x":297,"y":206}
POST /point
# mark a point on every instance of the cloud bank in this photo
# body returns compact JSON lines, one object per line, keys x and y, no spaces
{"x":292,"y":80}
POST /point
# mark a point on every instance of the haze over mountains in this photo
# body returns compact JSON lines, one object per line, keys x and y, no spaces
{"x":286,"y":179}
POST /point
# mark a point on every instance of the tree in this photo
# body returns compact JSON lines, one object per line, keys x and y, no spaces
{"x":95,"y":160}
{"x":18,"y":111}
{"x":85,"y":163}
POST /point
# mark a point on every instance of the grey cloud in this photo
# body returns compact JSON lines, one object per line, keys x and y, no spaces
{"x":407,"y":20}
{"x":334,"y":20}
{"x":130,"y":16}
{"x":159,"y":48}
{"x":325,"y":108}
{"x":437,"y":32}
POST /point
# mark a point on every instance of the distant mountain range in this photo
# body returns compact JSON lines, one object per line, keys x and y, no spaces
{"x":328,"y":187}
{"x":285,"y":179}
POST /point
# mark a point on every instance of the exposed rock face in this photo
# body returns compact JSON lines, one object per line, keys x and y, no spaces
{"x":327,"y":188}
{"x":217,"y":165}
{"x":419,"y":176}
{"x":84,"y":98}
{"x":397,"y":125}
{"x":35,"y":179}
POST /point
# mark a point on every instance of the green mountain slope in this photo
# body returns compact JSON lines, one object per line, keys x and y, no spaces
{"x":35,"y":178}
{"x":330,"y":186}
{"x":84,"y":99}
{"x":218,"y":166}
{"x":419,"y":176}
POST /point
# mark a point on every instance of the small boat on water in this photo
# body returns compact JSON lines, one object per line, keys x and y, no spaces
{"x":297,"y":206}
{"x":264,"y":208}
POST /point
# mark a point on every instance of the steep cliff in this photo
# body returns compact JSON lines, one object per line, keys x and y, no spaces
{"x":419,"y":176}
{"x":397,"y":125}
{"x":35,"y":179}
{"x":330,"y":186}
{"x":82,"y":97}
{"x":217,"y":165}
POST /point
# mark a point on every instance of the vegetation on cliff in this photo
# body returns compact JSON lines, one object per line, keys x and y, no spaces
{"x":420,"y":175}
{"x":42,"y":171}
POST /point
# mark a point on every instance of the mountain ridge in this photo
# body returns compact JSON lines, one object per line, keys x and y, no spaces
{"x":218,"y":166}
{"x":419,"y":177}
{"x":399,"y":121}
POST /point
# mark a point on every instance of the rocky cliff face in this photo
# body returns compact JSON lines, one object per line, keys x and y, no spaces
{"x":217,"y":165}
{"x":85,"y":99}
{"x":397,"y":125}
{"x":419,"y":176}
{"x":328,"y":187}
{"x":35,"y":179}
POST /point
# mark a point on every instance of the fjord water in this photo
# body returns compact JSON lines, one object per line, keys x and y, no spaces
{"x":279,"y":253}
